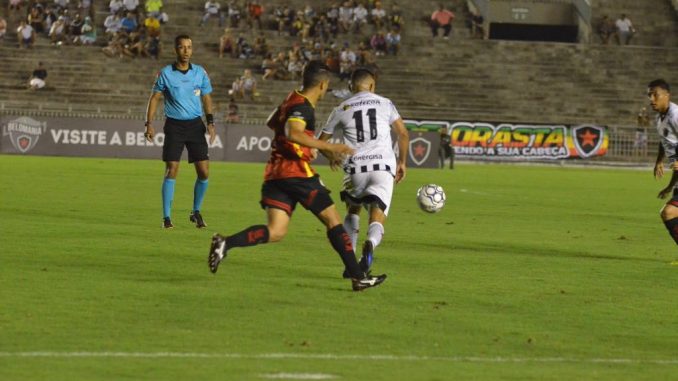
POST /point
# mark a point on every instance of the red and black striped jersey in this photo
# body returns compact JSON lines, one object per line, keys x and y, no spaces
{"x":289,"y":159}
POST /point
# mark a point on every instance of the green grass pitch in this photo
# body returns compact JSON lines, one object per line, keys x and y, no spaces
{"x":529,"y":273}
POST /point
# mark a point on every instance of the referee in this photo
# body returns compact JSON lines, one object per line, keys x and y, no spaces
{"x":186,"y":89}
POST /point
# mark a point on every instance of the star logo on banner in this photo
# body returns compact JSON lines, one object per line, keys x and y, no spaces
{"x":588,"y":139}
{"x":419,"y":150}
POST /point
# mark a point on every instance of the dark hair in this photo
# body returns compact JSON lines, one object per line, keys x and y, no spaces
{"x":662,"y":84}
{"x":314,"y":73}
{"x":362,"y":73}
{"x":180,"y":37}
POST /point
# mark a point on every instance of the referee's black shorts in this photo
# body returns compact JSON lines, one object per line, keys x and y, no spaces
{"x":189,"y":133}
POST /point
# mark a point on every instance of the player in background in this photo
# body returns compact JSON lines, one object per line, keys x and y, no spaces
{"x":659,"y":93}
{"x":186,"y":89}
{"x":289,"y":179}
{"x":366,"y":120}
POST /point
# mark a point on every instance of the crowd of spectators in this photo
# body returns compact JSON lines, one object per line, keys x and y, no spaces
{"x":621,"y":30}
{"x":134,"y":31}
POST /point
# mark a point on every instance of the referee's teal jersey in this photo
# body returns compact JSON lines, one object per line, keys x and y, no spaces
{"x":182,"y":91}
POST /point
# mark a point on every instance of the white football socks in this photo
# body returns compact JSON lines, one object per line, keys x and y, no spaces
{"x":352,"y":227}
{"x":375,"y":233}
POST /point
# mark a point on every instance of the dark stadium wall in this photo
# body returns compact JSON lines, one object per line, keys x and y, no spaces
{"x":531,"y":32}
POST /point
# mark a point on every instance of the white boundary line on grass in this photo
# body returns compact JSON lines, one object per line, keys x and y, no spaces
{"x":335,"y":357}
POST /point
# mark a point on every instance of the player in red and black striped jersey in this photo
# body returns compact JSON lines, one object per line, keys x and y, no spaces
{"x":289,"y":179}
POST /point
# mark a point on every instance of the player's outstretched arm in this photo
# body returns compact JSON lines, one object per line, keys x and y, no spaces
{"x":295,"y":134}
{"x":669,"y":188}
{"x":403,"y":146}
{"x":335,"y":162}
{"x":659,"y":163}
{"x":209,"y":113}
{"x":150,"y":114}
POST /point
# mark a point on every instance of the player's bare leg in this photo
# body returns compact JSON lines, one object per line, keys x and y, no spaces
{"x":171,"y":172}
{"x":199,"y":190}
{"x":669,"y":215}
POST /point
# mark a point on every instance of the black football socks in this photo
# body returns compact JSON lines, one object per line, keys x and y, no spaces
{"x":341,"y":243}
{"x":251,"y":236}
{"x":672,"y":227}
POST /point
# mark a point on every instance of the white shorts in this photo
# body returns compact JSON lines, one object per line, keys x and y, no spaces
{"x":37,"y":83}
{"x":369,"y":188}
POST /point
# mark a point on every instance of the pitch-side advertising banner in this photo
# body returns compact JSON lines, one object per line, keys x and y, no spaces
{"x":125,"y":139}
{"x":506,"y":141}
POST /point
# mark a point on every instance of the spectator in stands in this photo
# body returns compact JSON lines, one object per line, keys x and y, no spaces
{"x":261,"y":45}
{"x":281,"y":67}
{"x":393,"y":41}
{"x":345,"y":16}
{"x":153,"y":8}
{"x":15,"y":5}
{"x":61,"y":5}
{"x":129,"y":23}
{"x":135,"y":46}
{"x":294,"y":67}
{"x":226,"y":44}
{"x":116,"y":45}
{"x":254,"y":13}
{"x":36,"y":19}
{"x":378,"y":43}
{"x":395,"y":18}
{"x":297,"y":27}
{"x":625,"y":30}
{"x":89,"y":33}
{"x":25,"y":35}
{"x":477,"y":25}
{"x":152,"y":25}
{"x":309,"y":12}
{"x":212,"y":9}
{"x":378,"y":15}
{"x":347,"y":61}
{"x":85,"y":7}
{"x":50,"y":18}
{"x":249,"y":84}
{"x":268,"y":67}
{"x":279,"y":14}
{"x":3,"y":28}
{"x":605,"y":29}
{"x":232,"y":116}
{"x":236,"y":88}
{"x":243,"y":48}
{"x":113,"y":24}
{"x":115,"y":6}
{"x":359,"y":17}
{"x":442,"y":18}
{"x":75,"y":28}
{"x":153,"y":47}
{"x":234,"y":14}
{"x":131,"y":5}
{"x":57,"y":33}
{"x":38,"y":76}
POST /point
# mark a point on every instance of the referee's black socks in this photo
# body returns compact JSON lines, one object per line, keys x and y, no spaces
{"x":251,"y":236}
{"x":672,"y":227}
{"x":341,"y":242}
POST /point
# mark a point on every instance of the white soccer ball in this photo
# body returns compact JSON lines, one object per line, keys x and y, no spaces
{"x":431,"y":198}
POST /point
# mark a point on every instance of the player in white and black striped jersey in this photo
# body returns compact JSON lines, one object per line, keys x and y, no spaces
{"x":659,"y":93}
{"x":366,"y":120}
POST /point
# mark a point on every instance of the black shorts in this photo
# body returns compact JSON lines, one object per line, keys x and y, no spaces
{"x":674,"y":200}
{"x":284,"y":194}
{"x":189,"y":133}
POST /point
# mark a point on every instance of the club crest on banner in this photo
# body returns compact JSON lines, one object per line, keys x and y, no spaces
{"x":587,"y":139}
{"x":24,"y":133}
{"x":420,"y":148}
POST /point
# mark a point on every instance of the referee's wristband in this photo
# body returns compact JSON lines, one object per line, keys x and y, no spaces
{"x":210,"y":118}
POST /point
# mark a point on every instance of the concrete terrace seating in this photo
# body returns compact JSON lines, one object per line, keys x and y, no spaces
{"x":459,"y":79}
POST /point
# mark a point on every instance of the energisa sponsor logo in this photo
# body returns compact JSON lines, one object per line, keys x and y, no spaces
{"x":24,"y":133}
{"x":113,"y":138}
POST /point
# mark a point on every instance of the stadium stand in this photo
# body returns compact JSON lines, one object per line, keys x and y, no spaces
{"x":461,"y":78}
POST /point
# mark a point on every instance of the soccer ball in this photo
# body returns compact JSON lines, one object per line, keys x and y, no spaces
{"x":431,"y":198}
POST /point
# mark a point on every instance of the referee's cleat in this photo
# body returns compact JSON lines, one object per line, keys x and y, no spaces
{"x":218,"y":252}
{"x":367,"y":282}
{"x":196,"y":218}
{"x":167,"y":223}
